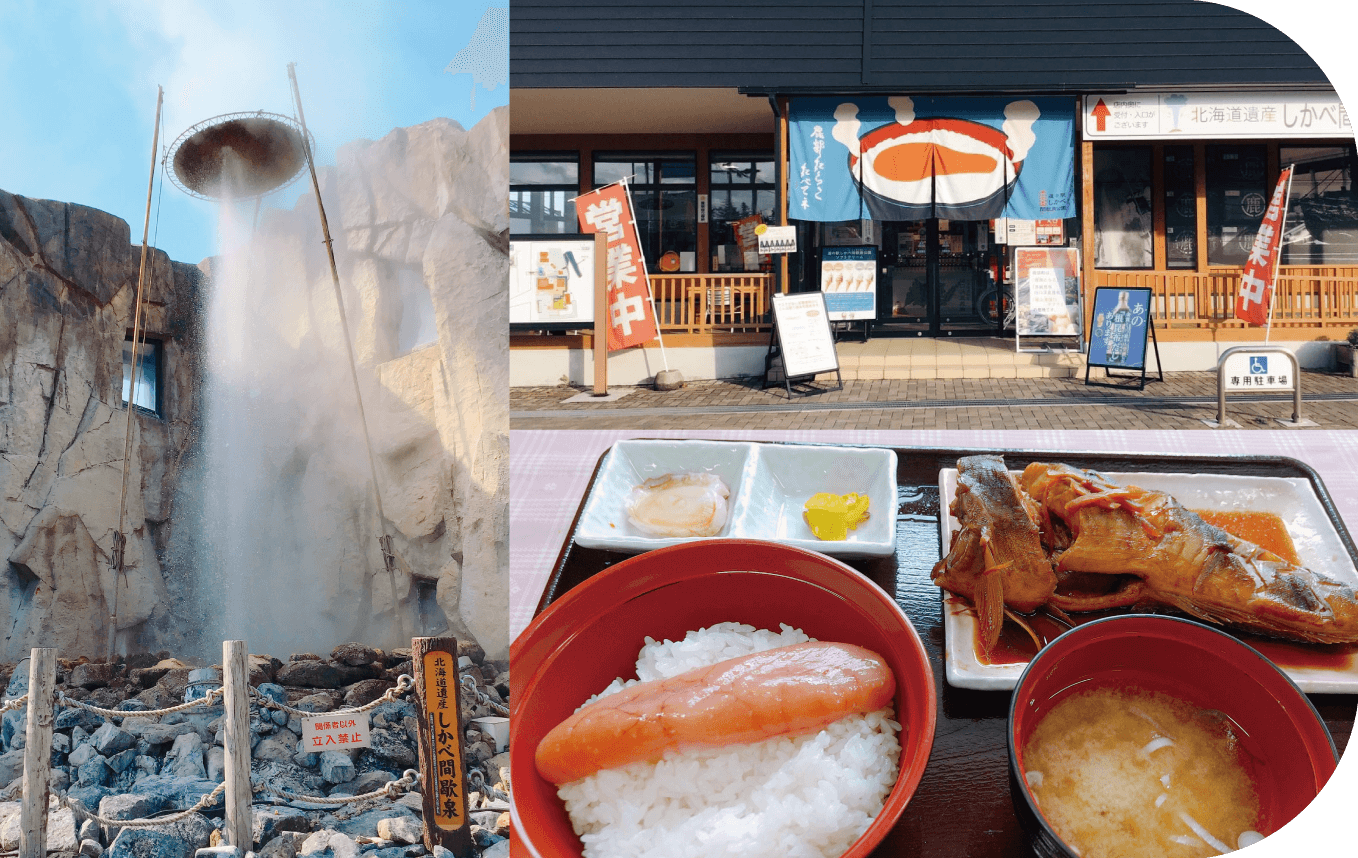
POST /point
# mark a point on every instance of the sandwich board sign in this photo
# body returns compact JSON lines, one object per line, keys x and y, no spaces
{"x":802,"y":339}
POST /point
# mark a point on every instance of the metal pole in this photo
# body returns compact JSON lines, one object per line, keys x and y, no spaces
{"x":388,"y":554}
{"x":1277,"y":257}
{"x":42,"y":683}
{"x":119,"y":540}
{"x":236,"y":744}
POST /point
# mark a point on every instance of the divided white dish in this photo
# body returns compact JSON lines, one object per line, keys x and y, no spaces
{"x":769,"y":485}
{"x":1291,"y":499}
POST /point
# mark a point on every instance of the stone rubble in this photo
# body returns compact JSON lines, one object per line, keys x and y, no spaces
{"x":146,"y":767}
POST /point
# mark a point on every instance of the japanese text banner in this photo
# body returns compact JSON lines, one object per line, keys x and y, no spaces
{"x":905,"y":158}
{"x":608,"y":210}
{"x":1256,"y":282}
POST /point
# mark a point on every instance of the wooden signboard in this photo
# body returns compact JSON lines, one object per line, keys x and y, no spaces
{"x":446,"y":822}
{"x":802,"y":339}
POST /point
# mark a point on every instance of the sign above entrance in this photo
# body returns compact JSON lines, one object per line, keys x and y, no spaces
{"x":895,"y":158}
{"x":1223,"y":115}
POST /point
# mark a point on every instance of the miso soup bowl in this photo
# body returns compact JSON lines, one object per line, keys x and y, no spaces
{"x":1195,"y":663}
{"x":590,"y":636}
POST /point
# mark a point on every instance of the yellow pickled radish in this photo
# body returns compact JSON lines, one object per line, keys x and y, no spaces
{"x":831,"y":516}
{"x":827,"y":524}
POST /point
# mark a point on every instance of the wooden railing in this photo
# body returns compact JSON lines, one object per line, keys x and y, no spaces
{"x":712,"y":303}
{"x":1307,"y":296}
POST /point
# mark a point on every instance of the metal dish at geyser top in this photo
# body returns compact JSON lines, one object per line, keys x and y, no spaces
{"x":267,"y":150}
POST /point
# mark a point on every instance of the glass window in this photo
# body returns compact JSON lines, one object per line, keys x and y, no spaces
{"x":148,"y":374}
{"x":1237,"y":196}
{"x":1122,"y":207}
{"x":664,"y":199}
{"x":1322,"y":216}
{"x":741,"y":185}
{"x":1181,"y":208}
{"x":541,"y":193}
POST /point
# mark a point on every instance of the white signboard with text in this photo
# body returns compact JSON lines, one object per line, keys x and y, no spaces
{"x":331,"y":731}
{"x":1257,"y":371}
{"x":803,"y":328}
{"x":1222,"y":115}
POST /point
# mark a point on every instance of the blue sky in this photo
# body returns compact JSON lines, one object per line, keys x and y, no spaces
{"x":78,"y":88}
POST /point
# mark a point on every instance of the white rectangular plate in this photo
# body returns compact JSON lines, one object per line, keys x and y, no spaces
{"x":769,"y":485}
{"x":1292,"y":499}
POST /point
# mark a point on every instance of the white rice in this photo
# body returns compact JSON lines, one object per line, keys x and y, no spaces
{"x":805,"y":797}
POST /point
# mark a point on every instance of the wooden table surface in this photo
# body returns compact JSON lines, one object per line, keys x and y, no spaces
{"x":962,"y":806}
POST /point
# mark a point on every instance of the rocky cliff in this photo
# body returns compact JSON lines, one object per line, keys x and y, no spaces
{"x":420,"y":222}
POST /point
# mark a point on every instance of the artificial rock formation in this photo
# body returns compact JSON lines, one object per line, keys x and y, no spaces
{"x":420,"y":225}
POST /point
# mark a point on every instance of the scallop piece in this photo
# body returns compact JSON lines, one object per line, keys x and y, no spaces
{"x":688,"y":504}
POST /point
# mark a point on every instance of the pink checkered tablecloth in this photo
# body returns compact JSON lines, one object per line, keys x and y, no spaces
{"x":549,"y":472}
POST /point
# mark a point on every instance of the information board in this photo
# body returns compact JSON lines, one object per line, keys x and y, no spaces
{"x":1117,"y":337}
{"x":848,"y":279}
{"x":804,"y":338}
{"x":1047,"y":292}
{"x":551,"y":282}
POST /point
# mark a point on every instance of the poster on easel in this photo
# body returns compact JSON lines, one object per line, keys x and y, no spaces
{"x":1047,"y":297}
{"x":551,"y":282}
{"x":803,"y":331}
{"x":848,"y":279}
{"x":1117,"y":338}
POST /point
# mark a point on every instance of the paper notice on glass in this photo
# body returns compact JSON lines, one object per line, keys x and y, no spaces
{"x":1020,"y":232}
{"x":804,"y":334}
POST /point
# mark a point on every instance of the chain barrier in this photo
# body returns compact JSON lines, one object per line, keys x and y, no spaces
{"x":79,"y":809}
{"x":469,"y":685}
{"x":393,"y":789}
{"x":404,"y":683}
{"x":204,"y":701}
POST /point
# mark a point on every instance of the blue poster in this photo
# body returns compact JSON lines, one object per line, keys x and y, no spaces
{"x":898,"y":157}
{"x":848,"y":278}
{"x":1118,"y":335}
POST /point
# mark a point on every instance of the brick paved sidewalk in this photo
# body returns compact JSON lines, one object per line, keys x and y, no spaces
{"x":1182,"y":401}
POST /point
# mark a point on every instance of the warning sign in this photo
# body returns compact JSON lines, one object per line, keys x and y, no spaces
{"x":336,"y":732}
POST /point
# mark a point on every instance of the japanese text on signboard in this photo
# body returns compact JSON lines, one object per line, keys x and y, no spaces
{"x":630,"y":320}
{"x":332,"y":732}
{"x":1256,"y":282}
{"x":444,"y":734}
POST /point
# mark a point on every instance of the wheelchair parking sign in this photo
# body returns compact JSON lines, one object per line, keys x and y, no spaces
{"x":1247,"y":371}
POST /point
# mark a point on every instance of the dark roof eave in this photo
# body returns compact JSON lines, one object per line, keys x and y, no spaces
{"x":1072,"y":89}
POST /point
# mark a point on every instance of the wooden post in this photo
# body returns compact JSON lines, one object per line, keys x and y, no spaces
{"x":42,"y":683}
{"x":446,"y":822}
{"x":236,"y":742}
{"x":600,"y":318}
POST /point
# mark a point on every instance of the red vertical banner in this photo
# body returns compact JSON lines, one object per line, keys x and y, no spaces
{"x":1256,"y":282}
{"x":608,"y":210}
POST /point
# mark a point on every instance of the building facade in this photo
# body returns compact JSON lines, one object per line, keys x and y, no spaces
{"x":934,"y":139}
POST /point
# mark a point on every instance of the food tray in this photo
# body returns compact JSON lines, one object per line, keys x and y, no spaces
{"x":769,"y":485}
{"x":962,"y":806}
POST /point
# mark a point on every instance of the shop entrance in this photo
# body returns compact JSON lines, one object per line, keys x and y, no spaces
{"x":937,"y":279}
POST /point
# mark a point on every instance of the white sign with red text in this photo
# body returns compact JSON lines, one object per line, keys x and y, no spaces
{"x":336,"y":732}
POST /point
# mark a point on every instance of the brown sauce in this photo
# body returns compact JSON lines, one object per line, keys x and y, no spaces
{"x":1264,"y":529}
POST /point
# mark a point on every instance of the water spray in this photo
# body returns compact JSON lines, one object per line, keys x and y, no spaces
{"x":271,"y":151}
